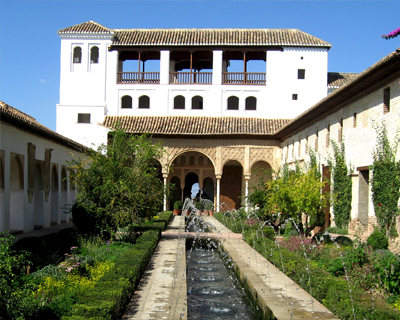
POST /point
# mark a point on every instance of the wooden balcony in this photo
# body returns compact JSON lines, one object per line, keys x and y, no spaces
{"x":139,"y":77}
{"x":246,"y":78}
{"x":190,"y":77}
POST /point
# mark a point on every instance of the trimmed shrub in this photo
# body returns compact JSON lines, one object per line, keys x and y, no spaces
{"x":378,"y":240}
{"x":110,"y":295}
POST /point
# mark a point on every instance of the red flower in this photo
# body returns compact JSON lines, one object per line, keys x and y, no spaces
{"x":379,"y":204}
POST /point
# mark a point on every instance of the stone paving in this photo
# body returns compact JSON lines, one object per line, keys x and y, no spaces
{"x":162,"y":292}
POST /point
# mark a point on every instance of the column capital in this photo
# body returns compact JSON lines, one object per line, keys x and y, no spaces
{"x":218,"y":176}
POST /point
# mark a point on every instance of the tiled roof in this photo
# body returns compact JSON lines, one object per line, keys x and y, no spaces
{"x":86,"y":27}
{"x":22,"y":120}
{"x":195,"y":125}
{"x":201,"y":37}
{"x":338,"y":79}
{"x":196,"y":37}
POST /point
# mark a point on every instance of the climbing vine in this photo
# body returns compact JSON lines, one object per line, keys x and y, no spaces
{"x":341,"y":190}
{"x":385,"y":181}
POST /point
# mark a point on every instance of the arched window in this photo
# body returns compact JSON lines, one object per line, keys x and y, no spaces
{"x":179,"y":102}
{"x":77,"y":55}
{"x":126,"y":102}
{"x":144,"y":102}
{"x":197,"y":102}
{"x":251,"y":103}
{"x":191,"y":160}
{"x":233,"y":103}
{"x":94,"y":55}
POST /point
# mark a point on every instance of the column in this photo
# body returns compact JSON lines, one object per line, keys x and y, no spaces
{"x":217,"y":67}
{"x":218,"y":191}
{"x":165,"y":194}
{"x":164,"y":66}
{"x":246,"y":192}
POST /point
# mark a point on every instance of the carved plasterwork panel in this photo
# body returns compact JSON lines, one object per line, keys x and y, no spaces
{"x":208,"y":173}
{"x":233,"y":153}
{"x":262,"y":154}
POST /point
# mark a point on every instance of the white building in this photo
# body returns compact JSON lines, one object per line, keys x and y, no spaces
{"x":226,"y":102}
{"x":185,"y":72}
{"x":35,"y":191}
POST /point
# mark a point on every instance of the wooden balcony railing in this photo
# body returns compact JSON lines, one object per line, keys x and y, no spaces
{"x":139,"y":77}
{"x":190,"y":77}
{"x":250,"y":78}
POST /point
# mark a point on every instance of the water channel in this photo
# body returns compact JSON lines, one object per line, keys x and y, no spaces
{"x":213,"y":291}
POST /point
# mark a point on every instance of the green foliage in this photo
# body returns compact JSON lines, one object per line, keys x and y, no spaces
{"x":258,"y":195}
{"x":341,"y":186}
{"x":118,"y":184}
{"x":336,"y":230}
{"x":385,"y":180}
{"x":13,"y":267}
{"x":178,"y":205}
{"x":378,"y":241}
{"x":294,"y":193}
{"x":388,"y":267}
{"x":109,"y":296}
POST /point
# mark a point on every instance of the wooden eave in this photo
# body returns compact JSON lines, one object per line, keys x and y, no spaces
{"x":381,"y":73}
{"x":197,"y":47}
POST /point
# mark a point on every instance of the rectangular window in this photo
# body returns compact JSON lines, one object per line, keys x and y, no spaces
{"x":294,"y":96}
{"x":83,"y":117}
{"x":301,"y":74}
{"x":386,"y":100}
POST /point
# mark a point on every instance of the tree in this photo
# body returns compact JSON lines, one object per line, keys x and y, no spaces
{"x":341,"y":190}
{"x":294,"y":193}
{"x":385,"y":181}
{"x":118,"y":184}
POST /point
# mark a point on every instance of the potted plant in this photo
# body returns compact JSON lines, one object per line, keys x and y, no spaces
{"x":209,"y":208}
{"x":177,"y":207}
{"x":199,"y":207}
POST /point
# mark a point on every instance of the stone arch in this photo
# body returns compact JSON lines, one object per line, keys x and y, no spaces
{"x":38,"y":197}
{"x":181,"y":154}
{"x":177,"y":192}
{"x":208,"y":188}
{"x":1,"y":173}
{"x":231,"y":184}
{"x":16,"y":193}
{"x":191,"y":178}
{"x":192,"y":166}
{"x":260,"y":171}
{"x":54,"y":195}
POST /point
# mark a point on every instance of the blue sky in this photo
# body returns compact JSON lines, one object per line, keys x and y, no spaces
{"x":30,"y":46}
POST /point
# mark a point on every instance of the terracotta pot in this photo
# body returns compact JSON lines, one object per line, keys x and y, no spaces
{"x":205,"y":212}
{"x":177,"y":212}
{"x":211,"y":212}
{"x":185,"y":213}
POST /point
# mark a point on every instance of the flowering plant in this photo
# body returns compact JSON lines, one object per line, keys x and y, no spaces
{"x":392,"y":34}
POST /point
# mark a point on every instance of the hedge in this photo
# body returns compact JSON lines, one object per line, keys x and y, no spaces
{"x":110,"y":295}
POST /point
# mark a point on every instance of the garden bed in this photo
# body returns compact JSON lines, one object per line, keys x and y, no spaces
{"x":73,"y":277}
{"x":352,"y":282}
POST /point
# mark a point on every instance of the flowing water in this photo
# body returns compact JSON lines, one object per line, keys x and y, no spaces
{"x":213,"y":291}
